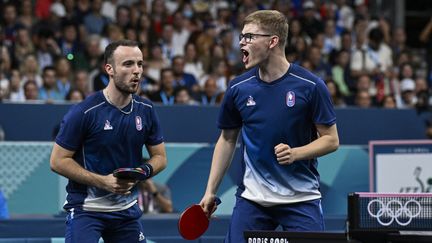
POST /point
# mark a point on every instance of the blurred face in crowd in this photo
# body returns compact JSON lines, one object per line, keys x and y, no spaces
{"x":31,"y":91}
{"x":49,"y":78}
{"x":81,"y":81}
{"x":363,"y":99}
{"x":178,"y":65}
{"x":70,"y":33}
{"x":389,"y":102}
{"x":167,"y":79}
{"x":30,"y":64}
{"x":210,"y":87}
{"x":363,"y":83}
{"x":9,"y":14}
{"x":63,"y":67}
{"x":182,"y":97}
{"x":75,"y":96}
{"x":15,"y":80}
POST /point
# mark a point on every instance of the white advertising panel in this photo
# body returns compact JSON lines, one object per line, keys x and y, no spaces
{"x":400,"y":166}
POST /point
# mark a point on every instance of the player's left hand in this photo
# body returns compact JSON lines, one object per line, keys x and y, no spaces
{"x":285,"y":155}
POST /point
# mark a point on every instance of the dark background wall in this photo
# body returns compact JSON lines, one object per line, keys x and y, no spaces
{"x":197,"y":124}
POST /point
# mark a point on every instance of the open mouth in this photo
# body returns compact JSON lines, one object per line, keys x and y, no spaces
{"x":245,"y":56}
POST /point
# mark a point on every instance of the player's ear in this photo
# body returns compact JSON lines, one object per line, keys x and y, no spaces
{"x":109,"y":69}
{"x":274,"y":40}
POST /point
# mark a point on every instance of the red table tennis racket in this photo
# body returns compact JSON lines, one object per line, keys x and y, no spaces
{"x":130,"y":174}
{"x":193,"y":222}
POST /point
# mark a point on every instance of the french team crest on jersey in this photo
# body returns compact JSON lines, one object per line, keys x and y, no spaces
{"x":290,"y":99}
{"x":138,"y":123}
{"x":250,"y":101}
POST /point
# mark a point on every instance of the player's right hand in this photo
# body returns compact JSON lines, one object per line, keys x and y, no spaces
{"x":118,"y":186}
{"x":208,"y":204}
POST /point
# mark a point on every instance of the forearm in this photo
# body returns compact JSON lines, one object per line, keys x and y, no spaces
{"x":222,"y":157}
{"x":319,"y":147}
{"x":158,"y":159}
{"x":158,"y":162}
{"x":70,"y":169}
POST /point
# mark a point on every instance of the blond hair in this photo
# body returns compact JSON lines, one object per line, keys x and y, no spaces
{"x":272,"y":21}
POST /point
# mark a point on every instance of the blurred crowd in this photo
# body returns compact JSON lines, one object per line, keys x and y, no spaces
{"x":51,"y":50}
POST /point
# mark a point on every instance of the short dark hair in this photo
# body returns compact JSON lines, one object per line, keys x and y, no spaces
{"x":109,"y":50}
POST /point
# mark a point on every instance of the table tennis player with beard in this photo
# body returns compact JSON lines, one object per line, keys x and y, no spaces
{"x":104,"y":132}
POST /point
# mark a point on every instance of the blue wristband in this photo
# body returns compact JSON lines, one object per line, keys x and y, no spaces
{"x":148,"y":169}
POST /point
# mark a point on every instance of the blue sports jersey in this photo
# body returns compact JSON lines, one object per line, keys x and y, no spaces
{"x":283,"y":111}
{"x":104,"y":139}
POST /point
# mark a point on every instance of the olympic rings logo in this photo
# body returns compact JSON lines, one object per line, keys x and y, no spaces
{"x":394,"y":210}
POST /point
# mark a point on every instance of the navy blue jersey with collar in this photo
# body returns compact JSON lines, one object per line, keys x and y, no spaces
{"x":283,"y":111}
{"x":104,"y":139}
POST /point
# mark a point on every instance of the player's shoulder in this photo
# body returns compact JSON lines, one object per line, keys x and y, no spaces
{"x":304,"y":75}
{"x":244,"y":78}
{"x":90,"y":103}
{"x":142,"y":101}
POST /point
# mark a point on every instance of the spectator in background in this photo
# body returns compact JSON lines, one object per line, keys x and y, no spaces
{"x":332,"y":40}
{"x":90,"y":58}
{"x":408,"y":97}
{"x":363,"y":84}
{"x":46,"y":47}
{"x":123,"y":16}
{"x":335,"y":94}
{"x":180,"y":34}
{"x":23,"y":46}
{"x":69,"y":42}
{"x":63,"y":75}
{"x":181,"y":78}
{"x":94,"y":21}
{"x":363,"y":99}
{"x":30,"y":70}
{"x":31,"y":90}
{"x":165,"y":94}
{"x":154,"y":198}
{"x":81,"y":82}
{"x":26,"y":15}
{"x":340,"y":72}
{"x":193,"y":64}
{"x":75,"y":95}
{"x":16,"y":91}
{"x":10,"y":24}
{"x":49,"y":91}
{"x":210,"y":92}
{"x":156,"y":62}
{"x":310,"y":21}
{"x":319,"y":66}
{"x":426,"y":38}
{"x":183,"y":97}
{"x":389,"y":102}
{"x":4,"y":213}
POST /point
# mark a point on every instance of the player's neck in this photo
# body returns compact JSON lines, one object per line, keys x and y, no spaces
{"x":273,"y":69}
{"x":116,"y":98}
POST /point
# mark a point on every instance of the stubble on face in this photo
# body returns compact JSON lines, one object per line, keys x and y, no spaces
{"x":125,"y":79}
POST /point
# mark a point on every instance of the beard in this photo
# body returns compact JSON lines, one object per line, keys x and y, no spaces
{"x":123,"y":86}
